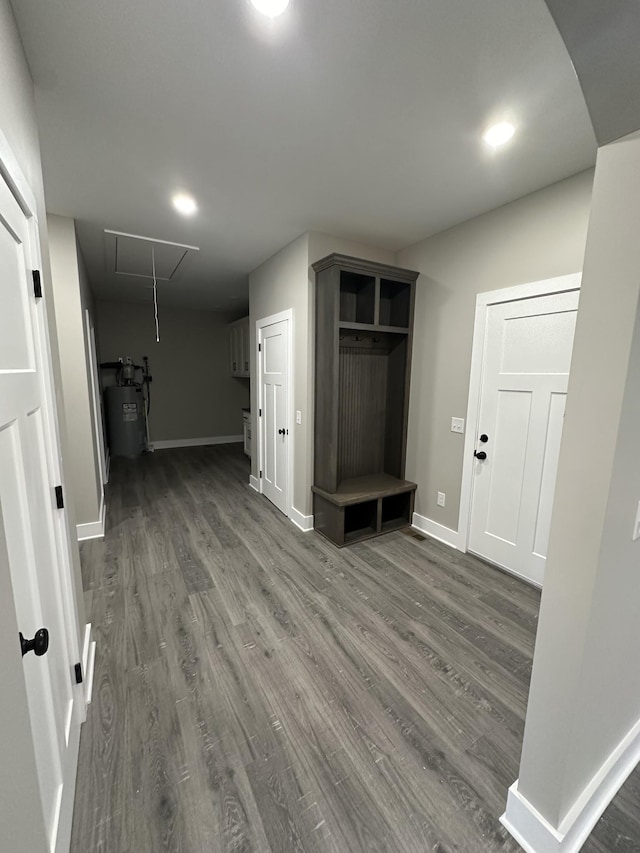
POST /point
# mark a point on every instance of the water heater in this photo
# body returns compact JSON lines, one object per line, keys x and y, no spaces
{"x":125,"y":420}
{"x":127,"y":406}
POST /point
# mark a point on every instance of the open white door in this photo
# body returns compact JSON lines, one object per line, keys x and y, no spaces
{"x":32,"y":556}
{"x":273,"y":415}
{"x":525,"y":372}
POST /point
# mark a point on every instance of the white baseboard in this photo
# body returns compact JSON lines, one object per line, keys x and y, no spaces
{"x":88,"y":664}
{"x":536,"y":835}
{"x":304,"y":522}
{"x":196,"y":442}
{"x":254,"y":483}
{"x":437,"y":531}
{"x":93,"y":529}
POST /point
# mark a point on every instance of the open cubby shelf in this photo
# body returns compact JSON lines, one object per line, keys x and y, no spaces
{"x":363,"y":507}
{"x":395,"y":303}
{"x":357,"y":298}
{"x":364,"y":314}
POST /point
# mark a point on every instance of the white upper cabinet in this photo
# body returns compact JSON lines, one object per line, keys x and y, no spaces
{"x":239,"y":348}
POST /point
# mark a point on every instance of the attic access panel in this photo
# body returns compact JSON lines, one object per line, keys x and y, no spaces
{"x":130,"y":254}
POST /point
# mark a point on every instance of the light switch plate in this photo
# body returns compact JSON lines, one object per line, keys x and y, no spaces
{"x":298,"y":417}
{"x":457,"y":425}
{"x":636,"y":526}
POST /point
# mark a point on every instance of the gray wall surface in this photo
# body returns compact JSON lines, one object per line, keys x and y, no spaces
{"x":193,"y":394}
{"x":72,"y":296}
{"x":540,"y":236}
{"x":585,"y":688}
{"x":276,"y":285}
{"x":284,"y":281}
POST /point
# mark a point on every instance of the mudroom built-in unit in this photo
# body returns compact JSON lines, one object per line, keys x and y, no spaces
{"x":364,"y":319}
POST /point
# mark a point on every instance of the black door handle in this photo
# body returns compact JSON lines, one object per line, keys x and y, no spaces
{"x":480,"y":454}
{"x":484,"y":438}
{"x":38,"y":645}
{"x":280,"y":432}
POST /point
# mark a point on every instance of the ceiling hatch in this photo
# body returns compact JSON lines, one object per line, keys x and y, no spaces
{"x":133,"y":255}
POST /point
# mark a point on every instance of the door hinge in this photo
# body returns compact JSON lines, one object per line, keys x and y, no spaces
{"x":37,"y":284}
{"x":259,"y":413}
{"x":59,"y":497}
{"x":261,"y":473}
{"x":259,"y":347}
{"x":78,"y":672}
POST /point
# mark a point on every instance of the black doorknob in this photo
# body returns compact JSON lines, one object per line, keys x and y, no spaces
{"x":480,"y":454}
{"x":38,"y":645}
{"x":280,"y":432}
{"x":484,"y":438}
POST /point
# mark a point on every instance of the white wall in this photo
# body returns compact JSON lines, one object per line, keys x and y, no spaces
{"x":72,"y":296}
{"x":537,"y":237}
{"x":193,"y":394}
{"x":585,"y":688}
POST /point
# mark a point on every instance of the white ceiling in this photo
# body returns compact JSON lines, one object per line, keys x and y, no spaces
{"x":359,"y":118}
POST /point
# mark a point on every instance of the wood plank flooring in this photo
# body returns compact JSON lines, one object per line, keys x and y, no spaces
{"x":256,"y":689}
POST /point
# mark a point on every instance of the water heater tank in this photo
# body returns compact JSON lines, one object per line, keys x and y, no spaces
{"x":125,"y":420}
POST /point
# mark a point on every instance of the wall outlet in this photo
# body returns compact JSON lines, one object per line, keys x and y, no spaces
{"x":441,"y":498}
{"x":298,"y":417}
{"x":636,"y":526}
{"x":457,"y":425}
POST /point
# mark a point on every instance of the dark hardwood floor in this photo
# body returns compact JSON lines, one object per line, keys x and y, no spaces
{"x":257,"y":689}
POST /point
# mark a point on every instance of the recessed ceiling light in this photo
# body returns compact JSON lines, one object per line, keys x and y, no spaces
{"x":498,"y":134}
{"x":184,"y":204}
{"x":271,"y":8}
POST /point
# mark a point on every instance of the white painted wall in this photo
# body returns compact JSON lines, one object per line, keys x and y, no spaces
{"x":72,"y":296}
{"x":585,"y":689}
{"x":540,"y":236}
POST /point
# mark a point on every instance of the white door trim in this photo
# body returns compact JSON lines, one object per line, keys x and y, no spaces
{"x":94,"y":388}
{"x":546,"y":287}
{"x":260,"y":325}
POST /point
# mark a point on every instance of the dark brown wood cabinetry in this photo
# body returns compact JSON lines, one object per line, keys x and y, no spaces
{"x":364,"y":319}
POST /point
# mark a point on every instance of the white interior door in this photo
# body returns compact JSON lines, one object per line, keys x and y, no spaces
{"x":29,"y":516}
{"x":525,"y":372}
{"x":274,"y":406}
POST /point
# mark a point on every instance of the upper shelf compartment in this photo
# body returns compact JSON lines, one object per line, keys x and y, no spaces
{"x":357,"y":297}
{"x":378,"y":297}
{"x":395,"y":303}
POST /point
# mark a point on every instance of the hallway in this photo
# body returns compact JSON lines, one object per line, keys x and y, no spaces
{"x":258,"y":690}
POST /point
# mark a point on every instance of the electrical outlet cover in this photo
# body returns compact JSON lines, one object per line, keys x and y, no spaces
{"x":457,"y":425}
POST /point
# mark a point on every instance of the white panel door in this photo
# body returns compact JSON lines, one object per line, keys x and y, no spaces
{"x":29,"y":516}
{"x":526,"y":363}
{"x":274,"y":425}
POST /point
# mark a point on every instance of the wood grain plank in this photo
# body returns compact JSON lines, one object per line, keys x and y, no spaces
{"x":257,"y":689}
